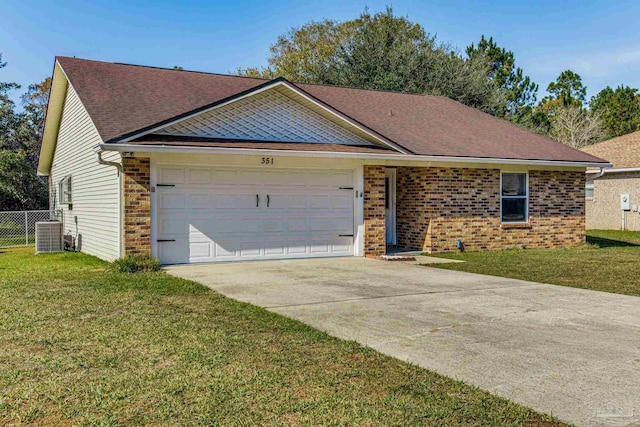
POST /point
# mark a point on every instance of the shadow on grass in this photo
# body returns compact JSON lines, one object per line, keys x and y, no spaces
{"x":609,"y":243}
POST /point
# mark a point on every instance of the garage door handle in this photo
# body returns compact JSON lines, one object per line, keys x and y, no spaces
{"x":166,"y":240}
{"x":345,"y":235}
{"x":257,"y":200}
{"x":268,"y":200}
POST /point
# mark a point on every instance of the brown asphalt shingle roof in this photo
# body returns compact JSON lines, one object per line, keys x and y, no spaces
{"x":122,"y":99}
{"x":623,"y":151}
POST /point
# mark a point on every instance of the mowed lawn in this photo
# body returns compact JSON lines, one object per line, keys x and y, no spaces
{"x":82,"y":345}
{"x":609,"y":262}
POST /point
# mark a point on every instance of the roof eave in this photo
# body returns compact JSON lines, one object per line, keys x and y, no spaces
{"x":133,"y":148}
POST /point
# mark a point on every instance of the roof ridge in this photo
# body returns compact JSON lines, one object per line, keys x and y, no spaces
{"x":164,"y":68}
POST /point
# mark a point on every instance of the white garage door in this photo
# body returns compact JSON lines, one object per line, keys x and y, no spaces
{"x":220,"y":214}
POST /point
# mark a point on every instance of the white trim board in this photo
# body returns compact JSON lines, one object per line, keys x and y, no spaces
{"x":134,"y":148}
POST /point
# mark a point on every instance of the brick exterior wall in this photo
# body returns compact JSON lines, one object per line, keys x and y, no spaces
{"x":437,"y":206}
{"x":136,"y":183}
{"x":374,"y":217}
{"x":603,"y":211}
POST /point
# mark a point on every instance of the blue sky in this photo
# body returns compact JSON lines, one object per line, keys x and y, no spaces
{"x":600,"y":40}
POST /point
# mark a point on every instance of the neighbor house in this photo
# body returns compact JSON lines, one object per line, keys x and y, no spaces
{"x":197,"y":167}
{"x":613,"y":195}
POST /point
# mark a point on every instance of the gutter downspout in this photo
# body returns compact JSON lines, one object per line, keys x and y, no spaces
{"x":98,"y":150}
{"x":602,"y":172}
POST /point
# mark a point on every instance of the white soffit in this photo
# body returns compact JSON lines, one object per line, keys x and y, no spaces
{"x":270,"y":115}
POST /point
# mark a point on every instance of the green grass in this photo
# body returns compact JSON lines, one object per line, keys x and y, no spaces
{"x":609,"y":262}
{"x":81,"y":344}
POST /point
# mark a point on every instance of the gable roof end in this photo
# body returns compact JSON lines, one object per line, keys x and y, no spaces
{"x":53,"y":117}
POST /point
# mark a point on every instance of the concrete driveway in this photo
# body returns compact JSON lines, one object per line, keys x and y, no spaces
{"x":569,"y":352}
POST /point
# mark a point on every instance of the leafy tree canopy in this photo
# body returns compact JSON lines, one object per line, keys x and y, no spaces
{"x":567,"y":90}
{"x":516,"y":91}
{"x":619,"y":109}
{"x":20,"y":136}
{"x":378,"y":51}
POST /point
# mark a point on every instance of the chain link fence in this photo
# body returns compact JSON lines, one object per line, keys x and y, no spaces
{"x":18,"y":228}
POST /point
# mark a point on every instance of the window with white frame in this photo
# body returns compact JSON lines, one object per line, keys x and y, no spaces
{"x":589,"y":189}
{"x":514,"y":197}
{"x":64,"y":190}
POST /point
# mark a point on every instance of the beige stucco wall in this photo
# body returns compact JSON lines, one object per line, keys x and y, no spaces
{"x":603,"y":211}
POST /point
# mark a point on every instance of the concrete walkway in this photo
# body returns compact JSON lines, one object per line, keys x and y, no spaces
{"x":569,"y":352}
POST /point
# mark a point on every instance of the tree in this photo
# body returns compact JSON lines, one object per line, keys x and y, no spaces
{"x":516,"y":91}
{"x":20,"y":135}
{"x":380,"y":51}
{"x":20,"y":188}
{"x":619,"y":109}
{"x":533,"y":119}
{"x":567,"y":90}
{"x":576,"y":127}
{"x":305,"y":54}
{"x":36,"y":99}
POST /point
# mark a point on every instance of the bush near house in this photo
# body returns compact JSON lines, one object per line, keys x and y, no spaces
{"x":136,"y":264}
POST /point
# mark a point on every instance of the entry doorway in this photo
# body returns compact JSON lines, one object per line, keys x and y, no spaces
{"x":390,"y":206}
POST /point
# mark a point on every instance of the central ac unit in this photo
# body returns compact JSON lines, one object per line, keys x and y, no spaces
{"x":49,"y":237}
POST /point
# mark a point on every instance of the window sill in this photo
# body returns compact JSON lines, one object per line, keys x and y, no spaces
{"x":515,"y":225}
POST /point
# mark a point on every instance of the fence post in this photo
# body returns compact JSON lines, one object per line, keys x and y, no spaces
{"x":26,"y":229}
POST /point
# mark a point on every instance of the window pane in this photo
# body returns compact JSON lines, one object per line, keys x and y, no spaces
{"x":514,"y":210}
{"x":514,"y":184}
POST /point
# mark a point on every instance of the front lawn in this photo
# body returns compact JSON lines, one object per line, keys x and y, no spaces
{"x":609,"y":262}
{"x":81,"y":345}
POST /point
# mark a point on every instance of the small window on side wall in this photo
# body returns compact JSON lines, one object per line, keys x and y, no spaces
{"x":64,"y":191}
{"x":514,"y":198}
{"x":589,"y":189}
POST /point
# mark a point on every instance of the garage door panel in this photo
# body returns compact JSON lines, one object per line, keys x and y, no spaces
{"x":224,"y":177}
{"x":297,"y":247}
{"x":171,"y":201}
{"x":199,"y":176}
{"x":296,"y":201}
{"x":249,"y":178}
{"x":200,"y":200}
{"x":173,"y":225}
{"x":200,"y":250}
{"x":342,"y":201}
{"x":173,"y":175}
{"x":297,"y":224}
{"x":319,"y":201}
{"x":174,"y":252}
{"x":213,"y":214}
{"x":273,"y":225}
{"x":237,"y":201}
{"x":337,"y":224}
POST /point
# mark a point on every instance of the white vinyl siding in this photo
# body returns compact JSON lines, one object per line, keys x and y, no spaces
{"x":94,"y":219}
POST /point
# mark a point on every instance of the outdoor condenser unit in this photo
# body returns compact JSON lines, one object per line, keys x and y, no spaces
{"x":49,"y":237}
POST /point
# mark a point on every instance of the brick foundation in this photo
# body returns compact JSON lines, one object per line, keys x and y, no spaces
{"x":136,"y":190}
{"x":437,"y":206}
{"x":374,"y":217}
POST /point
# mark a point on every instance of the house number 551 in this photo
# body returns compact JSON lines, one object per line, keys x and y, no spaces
{"x":267,"y":161}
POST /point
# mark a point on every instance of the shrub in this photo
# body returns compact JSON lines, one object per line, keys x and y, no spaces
{"x":136,"y":264}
